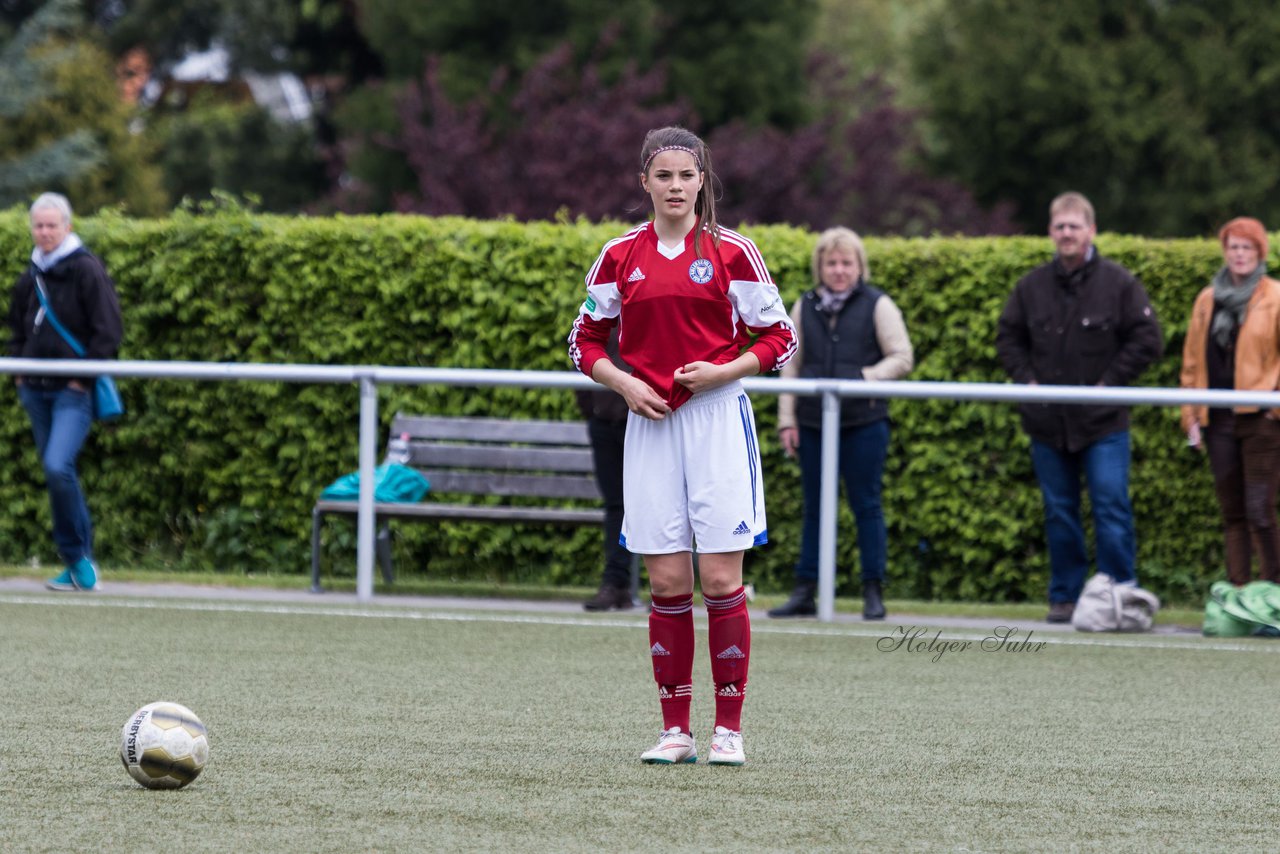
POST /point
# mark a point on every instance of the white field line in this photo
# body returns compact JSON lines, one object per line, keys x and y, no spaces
{"x":888,"y":630}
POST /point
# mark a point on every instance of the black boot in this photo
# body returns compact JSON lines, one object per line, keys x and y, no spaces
{"x":801,"y":602}
{"x":872,"y":601}
{"x":609,"y":597}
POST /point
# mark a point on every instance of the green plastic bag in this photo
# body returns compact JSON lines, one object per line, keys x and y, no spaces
{"x":392,"y":483}
{"x":1261,"y":600}
{"x":1233,"y":612}
{"x":1218,"y":621}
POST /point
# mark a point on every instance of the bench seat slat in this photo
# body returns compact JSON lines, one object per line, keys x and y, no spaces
{"x":551,"y":515}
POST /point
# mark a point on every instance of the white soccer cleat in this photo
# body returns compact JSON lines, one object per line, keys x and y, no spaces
{"x":726,"y":748}
{"x":673,"y":747}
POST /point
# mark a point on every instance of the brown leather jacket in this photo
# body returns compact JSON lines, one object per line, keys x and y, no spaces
{"x":1257,"y":348}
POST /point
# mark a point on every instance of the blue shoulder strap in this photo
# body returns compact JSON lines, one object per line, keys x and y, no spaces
{"x":53,"y":318}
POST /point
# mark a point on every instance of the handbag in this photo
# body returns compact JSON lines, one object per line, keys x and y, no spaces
{"x":1105,"y":606}
{"x":1232,"y":612}
{"x":107,"y":405}
{"x":393,"y":483}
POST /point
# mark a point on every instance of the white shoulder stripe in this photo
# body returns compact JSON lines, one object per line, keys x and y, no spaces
{"x":630,"y":235}
{"x":750,"y":251}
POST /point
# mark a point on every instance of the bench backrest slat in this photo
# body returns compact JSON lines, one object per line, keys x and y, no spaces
{"x":508,"y":484}
{"x":421,"y":427}
{"x":459,"y":456}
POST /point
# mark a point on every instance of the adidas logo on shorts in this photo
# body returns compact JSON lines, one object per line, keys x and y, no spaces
{"x":741,"y":529}
{"x":635,"y":276}
{"x":658,"y":649}
{"x":732,"y":652}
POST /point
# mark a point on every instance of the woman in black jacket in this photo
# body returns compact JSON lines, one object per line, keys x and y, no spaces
{"x":82,"y":297}
{"x":847,"y":329}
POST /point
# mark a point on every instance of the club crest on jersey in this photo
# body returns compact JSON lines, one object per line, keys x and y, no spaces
{"x":700,"y":271}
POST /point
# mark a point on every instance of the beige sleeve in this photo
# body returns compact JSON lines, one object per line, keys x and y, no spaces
{"x":791,"y":371}
{"x":891,"y":335}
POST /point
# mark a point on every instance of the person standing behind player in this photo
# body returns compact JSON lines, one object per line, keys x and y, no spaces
{"x":850,"y":330}
{"x":687,"y":295}
{"x":606,"y":415}
{"x":1079,"y":320}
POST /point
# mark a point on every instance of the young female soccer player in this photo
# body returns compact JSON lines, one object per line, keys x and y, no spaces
{"x":687,"y":296}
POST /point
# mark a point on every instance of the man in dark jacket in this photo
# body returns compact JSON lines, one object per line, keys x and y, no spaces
{"x":1079,"y":320}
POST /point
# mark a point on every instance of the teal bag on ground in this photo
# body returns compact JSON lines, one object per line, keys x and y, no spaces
{"x":392,"y":483}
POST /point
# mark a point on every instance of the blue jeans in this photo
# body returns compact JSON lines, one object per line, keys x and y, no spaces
{"x":1105,"y":465}
{"x":862,"y":452}
{"x":60,"y":420}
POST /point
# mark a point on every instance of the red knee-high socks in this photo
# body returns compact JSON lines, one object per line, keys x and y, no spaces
{"x":729,"y":635}
{"x":671,"y":647}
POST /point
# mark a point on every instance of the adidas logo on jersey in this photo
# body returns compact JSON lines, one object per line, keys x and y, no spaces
{"x":658,"y":649}
{"x":636,"y":275}
{"x":732,"y":652}
{"x":741,"y":529}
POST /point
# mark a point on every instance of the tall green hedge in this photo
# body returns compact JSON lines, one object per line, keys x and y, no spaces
{"x":223,"y":474}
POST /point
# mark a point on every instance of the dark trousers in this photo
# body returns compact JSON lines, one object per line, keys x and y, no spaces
{"x":607,"y":440}
{"x":1244,"y":454}
{"x":862,"y":454}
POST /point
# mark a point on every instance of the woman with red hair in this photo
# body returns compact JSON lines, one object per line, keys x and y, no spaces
{"x":1233,"y":342}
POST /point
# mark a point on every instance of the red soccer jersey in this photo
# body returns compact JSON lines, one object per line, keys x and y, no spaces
{"x":673,"y":308}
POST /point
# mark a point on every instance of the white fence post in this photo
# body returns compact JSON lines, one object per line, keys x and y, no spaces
{"x":364,"y":517}
{"x":827,"y":511}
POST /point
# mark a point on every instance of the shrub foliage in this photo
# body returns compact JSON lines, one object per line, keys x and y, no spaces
{"x":223,"y":474}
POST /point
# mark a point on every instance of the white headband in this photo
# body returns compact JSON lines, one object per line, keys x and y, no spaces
{"x":684,"y":148}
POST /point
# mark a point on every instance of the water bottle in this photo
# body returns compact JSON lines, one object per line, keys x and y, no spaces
{"x":398,"y":450}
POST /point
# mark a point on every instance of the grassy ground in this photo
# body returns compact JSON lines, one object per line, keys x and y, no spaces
{"x":344,"y":728}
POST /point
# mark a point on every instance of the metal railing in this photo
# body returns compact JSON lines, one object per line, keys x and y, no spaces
{"x":369,"y":377}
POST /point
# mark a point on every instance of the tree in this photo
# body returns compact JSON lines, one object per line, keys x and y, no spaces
{"x":572,"y":146}
{"x":860,"y":165}
{"x":741,"y":60}
{"x":1163,"y":113}
{"x":313,"y":37}
{"x":238,"y":148}
{"x":64,"y":126}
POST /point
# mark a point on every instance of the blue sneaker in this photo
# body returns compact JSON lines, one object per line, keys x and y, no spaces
{"x":62,"y":582}
{"x":84,"y":574}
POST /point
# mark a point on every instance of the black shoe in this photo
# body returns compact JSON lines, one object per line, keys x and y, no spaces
{"x":1060,"y":612}
{"x":800,"y":604}
{"x":872,"y":601}
{"x":609,"y":597}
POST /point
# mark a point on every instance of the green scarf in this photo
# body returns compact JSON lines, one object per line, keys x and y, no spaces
{"x":1232,"y":303}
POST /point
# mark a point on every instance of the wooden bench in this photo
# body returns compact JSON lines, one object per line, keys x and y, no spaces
{"x":484,"y":457}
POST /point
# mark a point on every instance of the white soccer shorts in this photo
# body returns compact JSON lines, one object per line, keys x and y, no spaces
{"x":694,"y":476}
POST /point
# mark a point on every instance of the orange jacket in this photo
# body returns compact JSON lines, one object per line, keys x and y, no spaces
{"x":1257,"y":348}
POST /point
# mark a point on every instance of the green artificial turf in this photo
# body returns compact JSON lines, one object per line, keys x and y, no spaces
{"x":346,"y":728}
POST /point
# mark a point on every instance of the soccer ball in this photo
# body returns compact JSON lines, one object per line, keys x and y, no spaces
{"x":164,"y":746}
